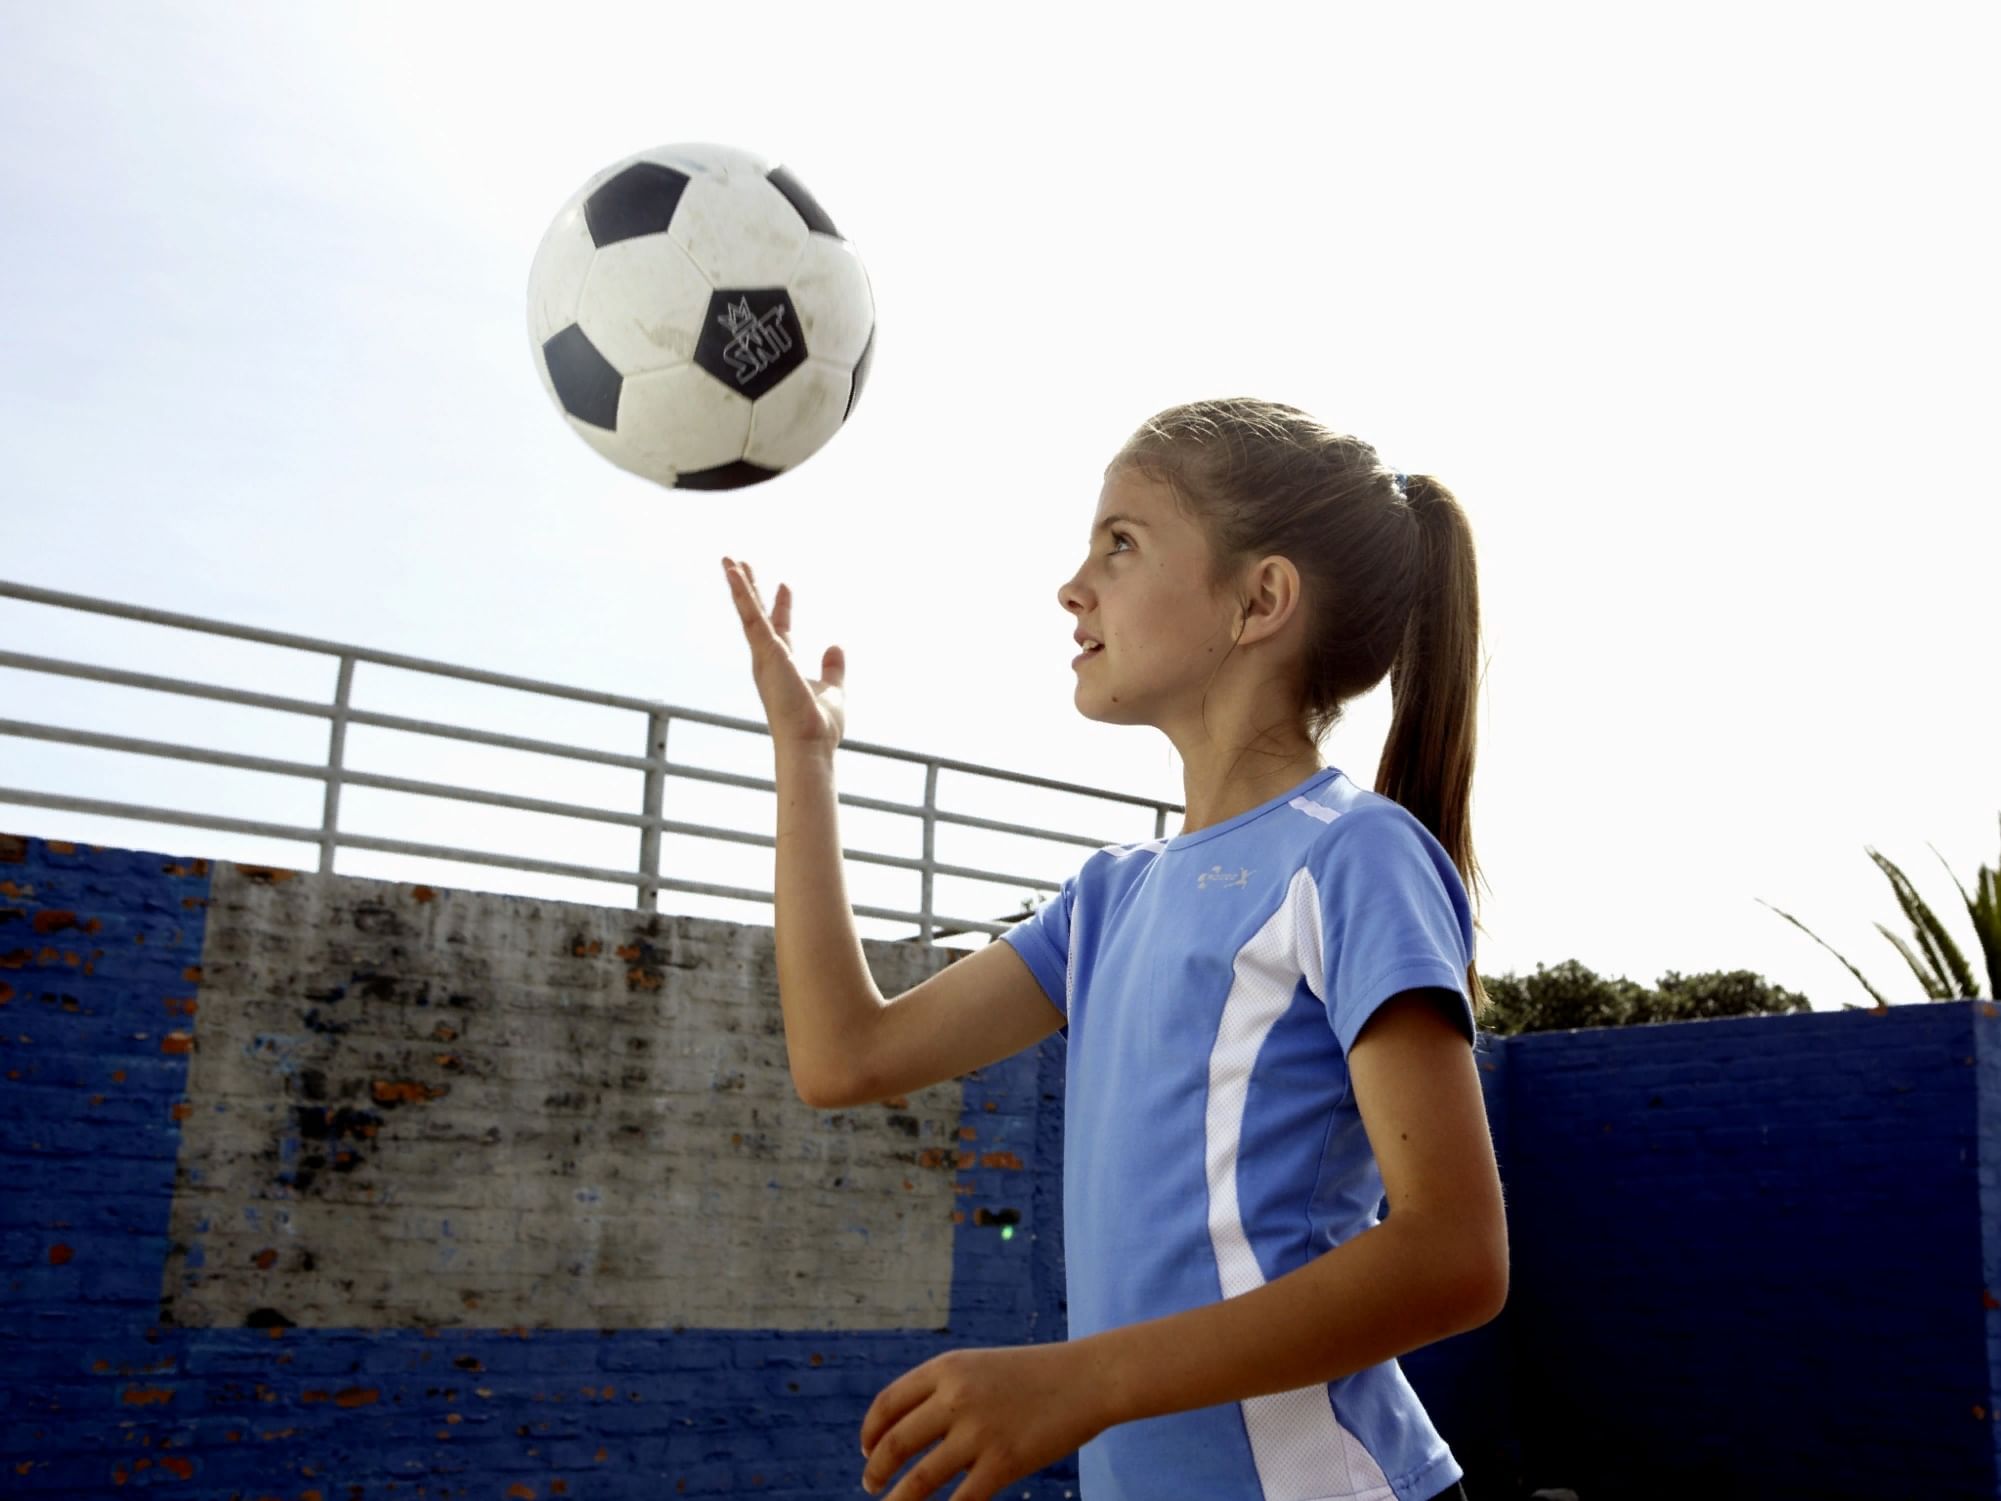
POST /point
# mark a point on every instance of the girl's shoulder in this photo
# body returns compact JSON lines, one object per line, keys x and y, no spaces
{"x":1374,"y":830}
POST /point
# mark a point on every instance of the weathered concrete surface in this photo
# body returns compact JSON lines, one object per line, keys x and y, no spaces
{"x":442,"y":1108}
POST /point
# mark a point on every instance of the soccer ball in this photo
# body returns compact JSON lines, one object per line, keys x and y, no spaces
{"x":697,"y":319}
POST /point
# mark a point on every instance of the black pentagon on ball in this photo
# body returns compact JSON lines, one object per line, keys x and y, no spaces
{"x":584,"y":380}
{"x":809,"y":208}
{"x":861,"y":374}
{"x":638,"y":201}
{"x":751,"y":339}
{"x":731,"y":476}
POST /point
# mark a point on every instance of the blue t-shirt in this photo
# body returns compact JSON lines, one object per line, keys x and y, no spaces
{"x":1212,"y":984}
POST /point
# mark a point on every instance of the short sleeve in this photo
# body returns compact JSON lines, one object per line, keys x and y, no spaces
{"x":1043,"y":940}
{"x":1393,"y":917}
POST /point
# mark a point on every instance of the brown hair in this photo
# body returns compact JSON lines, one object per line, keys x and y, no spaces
{"x":1389,"y":585}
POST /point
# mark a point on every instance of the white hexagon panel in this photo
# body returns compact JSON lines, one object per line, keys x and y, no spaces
{"x":643,"y":304}
{"x":836,"y":309}
{"x":680,"y":421}
{"x":798,"y":416}
{"x":741,"y":231}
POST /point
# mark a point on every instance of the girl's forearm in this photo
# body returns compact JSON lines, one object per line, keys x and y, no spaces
{"x":1388,"y":1291}
{"x":825,"y":990}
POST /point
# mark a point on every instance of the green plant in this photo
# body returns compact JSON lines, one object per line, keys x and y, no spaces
{"x":1943,"y":972}
{"x":1567,"y":995}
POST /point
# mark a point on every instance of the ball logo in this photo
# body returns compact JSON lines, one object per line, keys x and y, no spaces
{"x":751,"y":339}
{"x":756,"y":343}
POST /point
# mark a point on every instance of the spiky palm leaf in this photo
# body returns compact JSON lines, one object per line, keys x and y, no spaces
{"x":1881,"y":1001}
{"x":1985,"y":910}
{"x":1934,"y":986}
{"x":1945,"y":975}
{"x":1943,"y":971}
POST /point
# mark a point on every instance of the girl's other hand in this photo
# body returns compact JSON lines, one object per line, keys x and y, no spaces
{"x":800,"y":711}
{"x":996,"y":1415}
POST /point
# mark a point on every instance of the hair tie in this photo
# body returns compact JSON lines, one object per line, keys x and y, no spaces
{"x":1401,"y":478}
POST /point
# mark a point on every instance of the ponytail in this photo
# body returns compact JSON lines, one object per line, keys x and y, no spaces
{"x":1427,"y":763}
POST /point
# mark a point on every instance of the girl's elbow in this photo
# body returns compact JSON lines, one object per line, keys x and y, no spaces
{"x":1487,"y":1295}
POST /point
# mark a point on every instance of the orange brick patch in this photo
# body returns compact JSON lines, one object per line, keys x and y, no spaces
{"x":391,"y":1092}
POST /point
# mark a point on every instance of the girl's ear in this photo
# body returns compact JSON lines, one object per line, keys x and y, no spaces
{"x":1270,"y":598}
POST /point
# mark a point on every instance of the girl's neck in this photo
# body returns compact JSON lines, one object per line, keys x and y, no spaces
{"x":1211,"y":799}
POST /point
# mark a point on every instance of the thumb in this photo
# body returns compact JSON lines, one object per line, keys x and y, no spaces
{"x":833,"y":666}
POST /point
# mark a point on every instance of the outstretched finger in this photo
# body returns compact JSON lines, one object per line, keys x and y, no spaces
{"x":781,"y":614}
{"x":739,"y":588}
{"x":748,"y":608}
{"x":778,"y":613}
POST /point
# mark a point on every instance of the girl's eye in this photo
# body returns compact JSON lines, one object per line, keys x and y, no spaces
{"x":1119,"y":537}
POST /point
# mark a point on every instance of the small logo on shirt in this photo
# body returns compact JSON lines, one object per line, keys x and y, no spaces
{"x":1215,"y":875}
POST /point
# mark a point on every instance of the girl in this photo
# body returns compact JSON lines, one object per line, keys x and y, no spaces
{"x":1270,"y":1015}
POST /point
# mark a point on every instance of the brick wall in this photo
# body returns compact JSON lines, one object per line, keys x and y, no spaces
{"x":327,"y":1188}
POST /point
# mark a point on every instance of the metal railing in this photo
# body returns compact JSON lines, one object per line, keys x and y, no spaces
{"x":645,"y":877}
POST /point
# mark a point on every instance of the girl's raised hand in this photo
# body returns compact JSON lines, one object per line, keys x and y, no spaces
{"x":800,"y":711}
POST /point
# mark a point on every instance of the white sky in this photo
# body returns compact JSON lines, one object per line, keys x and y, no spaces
{"x":1694,"y":309}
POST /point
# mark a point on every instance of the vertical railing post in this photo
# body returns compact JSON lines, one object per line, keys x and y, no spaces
{"x":930,"y":846}
{"x":1159,"y":819}
{"x":649,"y":833}
{"x":336,"y":758}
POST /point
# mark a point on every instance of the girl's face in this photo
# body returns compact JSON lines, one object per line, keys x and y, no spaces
{"x":1143,"y":592}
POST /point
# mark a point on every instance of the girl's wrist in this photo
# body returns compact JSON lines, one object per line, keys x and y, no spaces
{"x":799,"y":750}
{"x":1106,"y":1380}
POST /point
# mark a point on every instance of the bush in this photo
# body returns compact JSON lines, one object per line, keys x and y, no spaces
{"x":1568,"y":995}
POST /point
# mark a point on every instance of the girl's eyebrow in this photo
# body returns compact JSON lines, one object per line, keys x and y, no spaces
{"x":1116,"y":520}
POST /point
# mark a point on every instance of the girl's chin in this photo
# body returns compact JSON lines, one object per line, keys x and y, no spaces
{"x":1095,"y":706}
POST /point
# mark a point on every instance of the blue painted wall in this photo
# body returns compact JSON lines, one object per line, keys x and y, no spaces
{"x":1756,"y":1256}
{"x":1753,"y":1257}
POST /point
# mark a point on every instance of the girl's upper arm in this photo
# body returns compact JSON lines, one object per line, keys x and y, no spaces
{"x":977,"y":1010}
{"x":1417,"y":1086}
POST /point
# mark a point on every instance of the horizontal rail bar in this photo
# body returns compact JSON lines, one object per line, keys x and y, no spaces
{"x":901,"y":862}
{"x":120,"y":677}
{"x":1028,"y":830}
{"x":356,"y":841}
{"x":172,"y":751}
{"x":95,"y":740}
{"x":123,"y":678}
{"x":169,"y":750}
{"x":297,"y":833}
{"x":26,"y":798}
{"x":30,"y":799}
{"x":557,"y":748}
{"x":334,"y":649}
